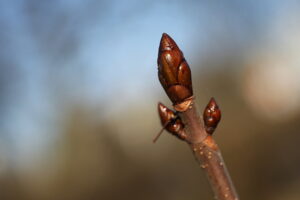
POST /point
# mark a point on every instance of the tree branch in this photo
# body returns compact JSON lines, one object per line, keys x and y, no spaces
{"x":175,"y":77}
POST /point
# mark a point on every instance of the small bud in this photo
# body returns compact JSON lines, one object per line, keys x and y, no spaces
{"x":171,"y":122}
{"x":173,"y":71}
{"x":211,"y":116}
{"x":168,"y":116}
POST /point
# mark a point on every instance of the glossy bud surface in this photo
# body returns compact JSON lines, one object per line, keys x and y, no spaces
{"x":169,"y":117}
{"x":211,"y":116}
{"x":173,"y":71}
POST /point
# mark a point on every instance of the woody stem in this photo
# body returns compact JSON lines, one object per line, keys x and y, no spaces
{"x":208,"y":155}
{"x":193,"y":124}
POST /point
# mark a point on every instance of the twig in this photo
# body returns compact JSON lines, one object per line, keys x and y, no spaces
{"x":175,"y":77}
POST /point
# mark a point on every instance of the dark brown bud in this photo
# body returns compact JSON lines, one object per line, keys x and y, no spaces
{"x":173,"y":71}
{"x":211,"y":116}
{"x":171,"y":121}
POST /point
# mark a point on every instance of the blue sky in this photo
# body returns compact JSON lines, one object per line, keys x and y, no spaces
{"x":58,"y":53}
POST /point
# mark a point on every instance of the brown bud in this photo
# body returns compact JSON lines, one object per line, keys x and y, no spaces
{"x":211,"y":116}
{"x":173,"y":71}
{"x":171,"y":121}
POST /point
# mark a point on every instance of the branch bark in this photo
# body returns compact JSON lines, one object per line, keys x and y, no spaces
{"x":211,"y":161}
{"x":208,"y":155}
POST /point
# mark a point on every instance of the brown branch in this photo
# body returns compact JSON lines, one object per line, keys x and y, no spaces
{"x":175,"y":77}
{"x":208,"y":156}
{"x":210,"y":159}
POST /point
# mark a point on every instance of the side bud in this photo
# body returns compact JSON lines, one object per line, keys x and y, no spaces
{"x":211,"y":116}
{"x":171,"y":122}
{"x":173,"y":71}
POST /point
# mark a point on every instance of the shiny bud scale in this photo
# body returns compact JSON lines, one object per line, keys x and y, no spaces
{"x":211,"y":116}
{"x":173,"y":71}
{"x":171,"y":121}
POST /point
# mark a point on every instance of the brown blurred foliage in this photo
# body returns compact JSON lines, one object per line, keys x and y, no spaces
{"x":97,"y":160}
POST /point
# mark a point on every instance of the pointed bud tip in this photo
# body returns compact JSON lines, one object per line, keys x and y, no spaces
{"x":165,"y":36}
{"x":166,"y":43}
{"x":163,"y":110}
{"x":212,"y":101}
{"x":160,"y":105}
{"x":212,"y":104}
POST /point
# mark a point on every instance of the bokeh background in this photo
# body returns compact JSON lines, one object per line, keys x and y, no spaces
{"x":79,"y":90}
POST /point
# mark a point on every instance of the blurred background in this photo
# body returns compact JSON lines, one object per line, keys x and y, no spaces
{"x":79,"y":93}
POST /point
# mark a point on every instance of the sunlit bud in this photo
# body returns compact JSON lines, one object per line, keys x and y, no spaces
{"x":211,"y":116}
{"x":173,"y":71}
{"x":170,"y":121}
